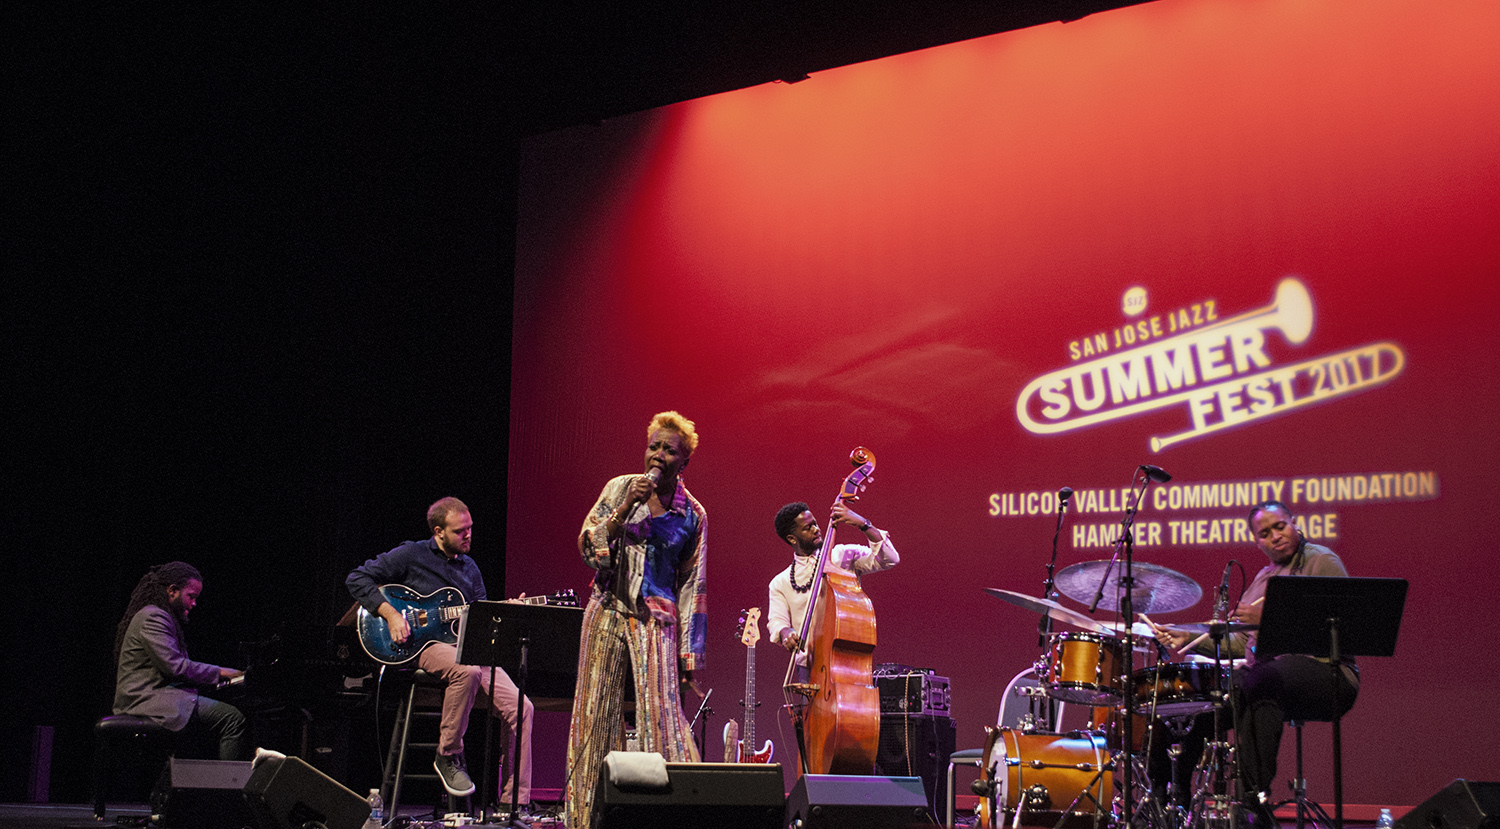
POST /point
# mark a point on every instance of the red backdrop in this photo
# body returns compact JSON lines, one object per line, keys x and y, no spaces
{"x":890,"y":254}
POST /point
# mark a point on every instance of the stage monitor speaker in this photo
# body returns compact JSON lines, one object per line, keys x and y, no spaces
{"x":202,"y":794}
{"x":721,"y":795}
{"x":1459,"y":805}
{"x":917,"y":745}
{"x":285,"y":793}
{"x":845,"y":801}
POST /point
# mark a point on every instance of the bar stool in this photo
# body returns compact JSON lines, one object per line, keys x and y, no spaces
{"x":1307,"y":810}
{"x":117,"y":732}
{"x":418,"y":704}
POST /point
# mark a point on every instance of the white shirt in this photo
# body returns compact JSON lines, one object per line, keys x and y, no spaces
{"x":788,"y":607}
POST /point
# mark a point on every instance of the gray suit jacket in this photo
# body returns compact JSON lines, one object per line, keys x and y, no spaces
{"x":152,"y":659}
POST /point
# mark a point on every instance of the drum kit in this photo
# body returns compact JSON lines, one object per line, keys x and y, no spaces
{"x":1038,"y":774}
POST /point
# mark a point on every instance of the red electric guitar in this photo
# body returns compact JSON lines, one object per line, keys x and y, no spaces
{"x":737,"y":749}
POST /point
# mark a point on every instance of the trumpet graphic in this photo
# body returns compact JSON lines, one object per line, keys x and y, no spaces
{"x":1220,"y":371}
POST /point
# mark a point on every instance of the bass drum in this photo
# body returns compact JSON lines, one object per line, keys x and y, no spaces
{"x":1052,"y":779}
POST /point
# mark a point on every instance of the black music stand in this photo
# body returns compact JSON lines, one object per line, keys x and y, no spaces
{"x":1331,"y":617}
{"x":500,"y":635}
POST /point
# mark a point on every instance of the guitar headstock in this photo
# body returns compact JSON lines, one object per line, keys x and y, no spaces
{"x":563,"y":598}
{"x":749,"y":629}
{"x":864,"y":470}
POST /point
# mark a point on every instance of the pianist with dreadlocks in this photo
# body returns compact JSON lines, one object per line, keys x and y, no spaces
{"x":155,"y":678}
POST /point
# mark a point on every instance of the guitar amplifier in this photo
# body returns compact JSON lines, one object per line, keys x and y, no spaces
{"x":905,"y":690}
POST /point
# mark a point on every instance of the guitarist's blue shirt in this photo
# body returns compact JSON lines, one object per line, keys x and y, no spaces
{"x":418,"y":565}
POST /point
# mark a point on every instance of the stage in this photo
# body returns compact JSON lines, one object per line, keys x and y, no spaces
{"x":80,"y":816}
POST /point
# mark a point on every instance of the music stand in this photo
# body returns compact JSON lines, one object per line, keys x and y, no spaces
{"x":1331,"y":617}
{"x":500,"y":635}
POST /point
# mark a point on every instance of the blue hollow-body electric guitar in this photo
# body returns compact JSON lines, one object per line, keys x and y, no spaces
{"x":431,"y":618}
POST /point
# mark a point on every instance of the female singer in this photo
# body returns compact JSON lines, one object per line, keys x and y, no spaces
{"x":646,"y":537}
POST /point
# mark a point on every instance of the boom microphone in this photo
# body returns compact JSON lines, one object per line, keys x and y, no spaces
{"x":1221,"y":601}
{"x":1064,"y":494}
{"x":1156,"y":473}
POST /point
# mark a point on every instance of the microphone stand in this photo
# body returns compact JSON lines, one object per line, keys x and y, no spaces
{"x":1044,"y":624}
{"x":704,"y":712}
{"x":1126,"y":544}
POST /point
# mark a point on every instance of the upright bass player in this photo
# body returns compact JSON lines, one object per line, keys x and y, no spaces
{"x":839,"y":723}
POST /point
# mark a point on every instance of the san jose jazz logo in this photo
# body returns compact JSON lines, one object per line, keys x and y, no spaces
{"x":1222,"y":374}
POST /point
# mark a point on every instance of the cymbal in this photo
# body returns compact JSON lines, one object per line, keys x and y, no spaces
{"x":1145,"y":637}
{"x":1046,"y":607}
{"x":1203,"y":627}
{"x":1157,"y":589}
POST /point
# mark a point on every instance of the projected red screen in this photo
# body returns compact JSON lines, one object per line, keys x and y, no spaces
{"x":1254,"y":244}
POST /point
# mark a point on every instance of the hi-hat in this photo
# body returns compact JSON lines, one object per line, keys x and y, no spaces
{"x":1046,"y":607}
{"x":1157,"y":589}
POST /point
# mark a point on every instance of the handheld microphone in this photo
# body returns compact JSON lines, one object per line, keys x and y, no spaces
{"x":654,"y":474}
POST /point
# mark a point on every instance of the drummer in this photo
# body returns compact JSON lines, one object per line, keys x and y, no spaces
{"x":1290,"y":686}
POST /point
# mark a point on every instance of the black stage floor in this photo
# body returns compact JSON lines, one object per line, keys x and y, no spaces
{"x":80,"y":816}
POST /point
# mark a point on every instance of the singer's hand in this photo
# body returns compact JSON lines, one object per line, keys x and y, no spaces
{"x":639,"y":489}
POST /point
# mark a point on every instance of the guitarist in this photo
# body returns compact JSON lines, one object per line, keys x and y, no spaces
{"x":790,"y":590}
{"x":427,"y":566}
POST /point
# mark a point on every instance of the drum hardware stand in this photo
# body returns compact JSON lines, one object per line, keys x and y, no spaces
{"x":1126,"y":544}
{"x":1176,"y":815}
{"x":1038,"y":794}
{"x":1215,"y":804}
{"x":1210,"y":809}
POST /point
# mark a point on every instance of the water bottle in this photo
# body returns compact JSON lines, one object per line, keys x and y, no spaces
{"x":377,"y":810}
{"x":1385,"y":821}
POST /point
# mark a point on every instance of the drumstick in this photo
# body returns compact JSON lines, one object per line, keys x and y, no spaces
{"x":1189,"y":646}
{"x":1147,"y":620}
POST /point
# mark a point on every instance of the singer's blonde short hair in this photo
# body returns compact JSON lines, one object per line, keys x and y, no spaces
{"x":677,"y":423}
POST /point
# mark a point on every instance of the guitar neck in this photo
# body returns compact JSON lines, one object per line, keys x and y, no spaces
{"x":749,"y":736}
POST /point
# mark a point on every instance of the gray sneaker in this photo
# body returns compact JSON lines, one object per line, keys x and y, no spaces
{"x":451,"y":771}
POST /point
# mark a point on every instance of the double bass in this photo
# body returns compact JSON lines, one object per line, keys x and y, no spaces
{"x":839,"y":727}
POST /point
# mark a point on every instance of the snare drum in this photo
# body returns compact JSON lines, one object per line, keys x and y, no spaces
{"x":1179,"y":689}
{"x":1054,"y":779}
{"x":1083,"y":668}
